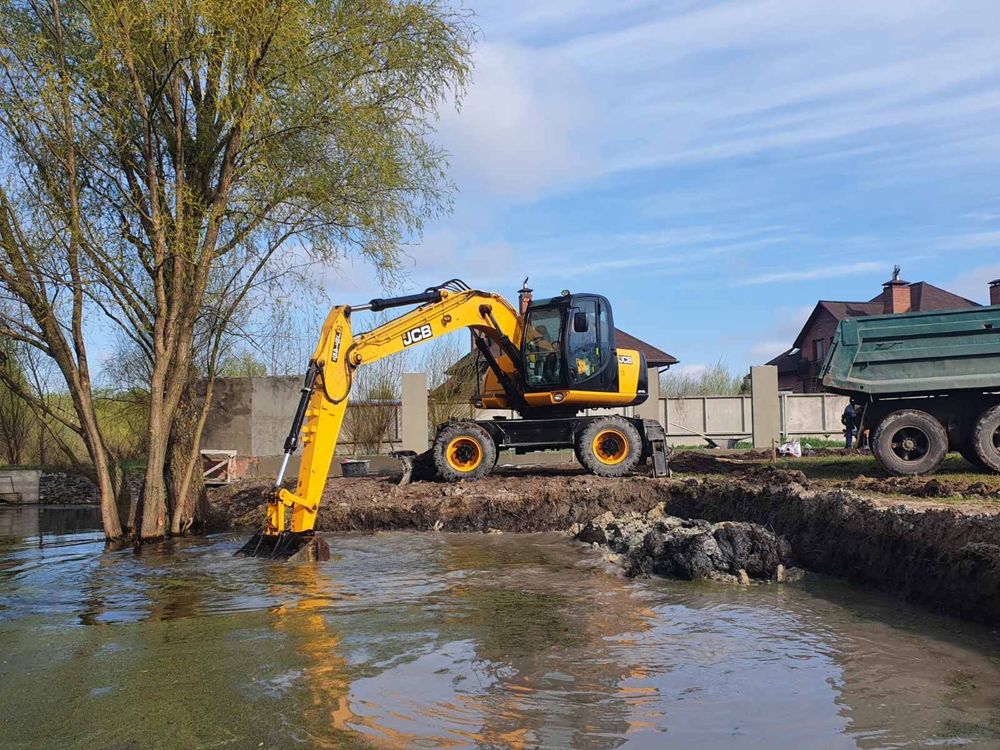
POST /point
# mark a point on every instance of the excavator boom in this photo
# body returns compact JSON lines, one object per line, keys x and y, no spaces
{"x":291,"y":515}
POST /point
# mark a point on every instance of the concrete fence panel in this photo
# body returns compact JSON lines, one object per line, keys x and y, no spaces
{"x":724,"y":414}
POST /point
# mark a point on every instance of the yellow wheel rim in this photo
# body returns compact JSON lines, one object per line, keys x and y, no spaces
{"x":610,"y":447}
{"x":464,"y":454}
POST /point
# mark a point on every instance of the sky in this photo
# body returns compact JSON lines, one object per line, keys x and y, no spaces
{"x":714,"y":168}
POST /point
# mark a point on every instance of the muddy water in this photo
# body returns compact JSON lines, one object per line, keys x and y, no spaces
{"x":440,"y":640}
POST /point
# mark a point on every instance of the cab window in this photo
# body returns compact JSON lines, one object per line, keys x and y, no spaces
{"x":589,"y":344}
{"x":542,"y":355}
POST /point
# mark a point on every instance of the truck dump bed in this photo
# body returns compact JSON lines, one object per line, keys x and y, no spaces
{"x":915,"y":353}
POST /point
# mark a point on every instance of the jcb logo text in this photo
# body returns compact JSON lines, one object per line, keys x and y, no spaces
{"x":418,"y":334}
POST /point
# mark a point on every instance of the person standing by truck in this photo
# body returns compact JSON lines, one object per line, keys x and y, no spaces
{"x":850,"y":421}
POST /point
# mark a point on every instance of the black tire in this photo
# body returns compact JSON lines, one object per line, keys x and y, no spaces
{"x":986,"y":439}
{"x":608,"y":447}
{"x":910,"y":442}
{"x":463,"y":450}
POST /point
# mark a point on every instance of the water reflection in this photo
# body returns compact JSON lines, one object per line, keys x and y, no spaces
{"x":435,"y":640}
{"x":40,"y":521}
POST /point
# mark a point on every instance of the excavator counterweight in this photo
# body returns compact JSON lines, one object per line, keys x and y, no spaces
{"x":548,"y":360}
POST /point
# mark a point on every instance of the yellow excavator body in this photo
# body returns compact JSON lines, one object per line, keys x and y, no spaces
{"x":547,"y":360}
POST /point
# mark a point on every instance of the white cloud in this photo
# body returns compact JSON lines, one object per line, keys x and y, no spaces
{"x":678,"y":82}
{"x":811,"y":274}
{"x":974,"y":240}
{"x":524,"y":125}
{"x":693,"y":371}
{"x":787,"y":322}
{"x":974,"y":284}
{"x":765,"y":351}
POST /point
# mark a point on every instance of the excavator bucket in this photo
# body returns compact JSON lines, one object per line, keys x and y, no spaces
{"x":289,"y":546}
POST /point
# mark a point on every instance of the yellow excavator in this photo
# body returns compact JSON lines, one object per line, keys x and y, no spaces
{"x":547,"y":360}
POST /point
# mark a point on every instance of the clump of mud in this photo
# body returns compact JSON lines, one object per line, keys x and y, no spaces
{"x":922,"y":487}
{"x":700,"y":462}
{"x":654,"y":543}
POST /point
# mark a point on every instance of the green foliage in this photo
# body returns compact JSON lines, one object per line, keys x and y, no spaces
{"x":16,"y":418}
{"x":244,"y":365}
{"x":715,"y":380}
{"x":164,"y":162}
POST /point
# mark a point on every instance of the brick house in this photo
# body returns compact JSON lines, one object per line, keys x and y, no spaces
{"x":799,"y":366}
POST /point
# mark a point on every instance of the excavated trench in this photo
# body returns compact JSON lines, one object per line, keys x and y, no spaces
{"x":944,"y":557}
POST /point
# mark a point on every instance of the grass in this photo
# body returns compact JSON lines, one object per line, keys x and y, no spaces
{"x":842,"y":468}
{"x":956,"y":477}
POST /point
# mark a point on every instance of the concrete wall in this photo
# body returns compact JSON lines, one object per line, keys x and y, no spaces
{"x":230,"y":420}
{"x":274,"y":401}
{"x":252,"y":416}
{"x":22,"y":482}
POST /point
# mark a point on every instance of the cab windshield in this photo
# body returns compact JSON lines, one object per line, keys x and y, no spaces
{"x":542,"y":348}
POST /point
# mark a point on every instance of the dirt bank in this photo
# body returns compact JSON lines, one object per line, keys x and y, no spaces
{"x":938,"y":554}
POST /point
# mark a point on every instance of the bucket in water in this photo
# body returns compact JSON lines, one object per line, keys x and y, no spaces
{"x":354,"y":468}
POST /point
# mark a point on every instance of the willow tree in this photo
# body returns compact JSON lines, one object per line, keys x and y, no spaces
{"x":163,"y":159}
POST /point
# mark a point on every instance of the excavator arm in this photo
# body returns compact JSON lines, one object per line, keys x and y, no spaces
{"x":291,"y":515}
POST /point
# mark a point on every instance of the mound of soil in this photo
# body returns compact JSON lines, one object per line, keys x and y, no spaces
{"x":690,"y":549}
{"x":513,"y":500}
{"x":701,"y":462}
{"x":922,"y":487}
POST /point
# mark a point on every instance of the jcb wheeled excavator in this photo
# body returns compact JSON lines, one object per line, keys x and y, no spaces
{"x":548,"y":361}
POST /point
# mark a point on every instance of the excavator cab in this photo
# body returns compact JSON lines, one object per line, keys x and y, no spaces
{"x":569,"y":342}
{"x":568,"y":361}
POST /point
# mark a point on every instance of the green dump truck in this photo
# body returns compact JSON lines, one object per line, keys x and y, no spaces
{"x":925,"y":383}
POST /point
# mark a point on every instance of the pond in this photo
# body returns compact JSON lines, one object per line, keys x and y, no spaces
{"x":458,"y":640}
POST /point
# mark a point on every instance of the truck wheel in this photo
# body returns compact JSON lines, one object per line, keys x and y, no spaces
{"x":464,"y":450}
{"x":910,"y":442}
{"x":986,"y":439}
{"x":608,"y":447}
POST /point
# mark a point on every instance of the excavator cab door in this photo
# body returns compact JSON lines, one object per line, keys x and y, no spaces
{"x":569,"y":344}
{"x":591,"y":364}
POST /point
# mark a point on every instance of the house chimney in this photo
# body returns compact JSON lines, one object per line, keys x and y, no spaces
{"x":995,"y":292}
{"x":524,"y":297}
{"x":896,"y":295}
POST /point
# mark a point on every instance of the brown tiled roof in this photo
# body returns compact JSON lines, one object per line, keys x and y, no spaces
{"x":787,"y":361}
{"x":924,"y":297}
{"x":654,"y":357}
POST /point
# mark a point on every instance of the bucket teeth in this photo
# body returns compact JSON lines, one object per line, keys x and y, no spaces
{"x":289,"y":546}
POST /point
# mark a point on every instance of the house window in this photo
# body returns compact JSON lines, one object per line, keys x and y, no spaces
{"x":819,"y":349}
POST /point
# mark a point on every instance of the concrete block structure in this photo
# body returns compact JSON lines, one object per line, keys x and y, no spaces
{"x":766,"y":406}
{"x":414,"y":426}
{"x":19,"y":485}
{"x":251,"y":415}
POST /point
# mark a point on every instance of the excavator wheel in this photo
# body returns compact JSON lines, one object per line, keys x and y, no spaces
{"x":609,"y":447}
{"x":463,"y":450}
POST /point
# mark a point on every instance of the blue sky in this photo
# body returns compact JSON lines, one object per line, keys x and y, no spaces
{"x":714,"y":168}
